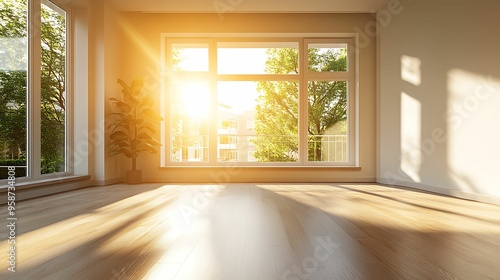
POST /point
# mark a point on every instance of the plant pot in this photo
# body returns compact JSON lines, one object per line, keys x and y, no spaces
{"x":133,"y":177}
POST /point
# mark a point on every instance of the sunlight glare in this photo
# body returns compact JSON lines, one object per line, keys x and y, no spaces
{"x":192,"y":58}
{"x":194,"y":99}
{"x":411,"y":136}
{"x":239,"y":96}
{"x":410,"y":70}
{"x":250,"y":61}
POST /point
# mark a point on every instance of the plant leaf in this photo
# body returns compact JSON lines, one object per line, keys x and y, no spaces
{"x":153,"y":142}
{"x":123,"y":144}
{"x":119,"y":114}
{"x":127,"y":97}
{"x":147,"y":101}
{"x":118,"y":136}
{"x":136,"y":122}
{"x":134,"y":143}
{"x":122,"y":106}
{"x":148,"y":112}
{"x":120,"y":126}
{"x":150,"y":127}
{"x":123,"y":151}
{"x":148,"y":149}
{"x":125,"y":87}
{"x":136,"y":87}
{"x":144,"y":135}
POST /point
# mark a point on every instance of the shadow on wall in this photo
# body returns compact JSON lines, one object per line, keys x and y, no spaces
{"x":450,"y":139}
{"x":473,"y":133}
{"x":441,"y":108}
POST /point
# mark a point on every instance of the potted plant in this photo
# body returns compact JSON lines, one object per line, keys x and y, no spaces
{"x":133,"y":130}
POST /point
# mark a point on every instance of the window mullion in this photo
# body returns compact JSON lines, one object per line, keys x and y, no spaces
{"x":257,"y":77}
{"x":164,"y":99}
{"x":212,"y":137}
{"x":34,"y":96}
{"x":354,"y":108}
{"x":69,"y":117}
{"x":352,"y":123}
{"x":303,"y":102}
{"x":329,"y":76}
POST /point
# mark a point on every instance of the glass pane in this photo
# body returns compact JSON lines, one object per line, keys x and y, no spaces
{"x":189,"y":118}
{"x":258,"y":121}
{"x":53,"y":89}
{"x":190,"y":57}
{"x":258,"y":58}
{"x":327,"y":121}
{"x":13,"y":86}
{"x":327,"y":57}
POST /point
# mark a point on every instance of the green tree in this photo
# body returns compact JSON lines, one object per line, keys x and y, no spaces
{"x":13,"y":78}
{"x":53,"y":90}
{"x":13,"y":81}
{"x":277,"y":110}
{"x":13,"y":114}
{"x":276,"y":122}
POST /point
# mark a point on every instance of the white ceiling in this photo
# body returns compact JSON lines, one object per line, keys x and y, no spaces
{"x":248,"y":6}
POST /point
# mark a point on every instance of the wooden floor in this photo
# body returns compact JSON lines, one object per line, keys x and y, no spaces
{"x":252,"y":231}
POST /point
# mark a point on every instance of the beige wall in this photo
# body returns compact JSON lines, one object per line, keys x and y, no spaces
{"x":439,"y":97}
{"x":96,"y":60}
{"x":80,"y":72}
{"x":139,"y":49}
{"x":113,"y":63}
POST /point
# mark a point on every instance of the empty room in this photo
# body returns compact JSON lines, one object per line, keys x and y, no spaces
{"x":249,"y":139}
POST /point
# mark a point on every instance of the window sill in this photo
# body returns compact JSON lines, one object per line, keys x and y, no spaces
{"x":46,"y":182}
{"x":236,"y":166}
{"x":261,"y":174}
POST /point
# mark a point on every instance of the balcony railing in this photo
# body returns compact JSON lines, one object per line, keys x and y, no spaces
{"x":331,"y":148}
{"x":189,"y":148}
{"x":266,"y":148}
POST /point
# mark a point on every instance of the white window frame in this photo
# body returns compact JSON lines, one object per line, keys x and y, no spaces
{"x":351,"y":76}
{"x":69,"y":166}
{"x":33,"y":95}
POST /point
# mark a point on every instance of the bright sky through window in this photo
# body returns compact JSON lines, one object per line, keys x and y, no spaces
{"x":192,"y":59}
{"x":241,"y":60}
{"x":193,"y":98}
{"x":240,"y":96}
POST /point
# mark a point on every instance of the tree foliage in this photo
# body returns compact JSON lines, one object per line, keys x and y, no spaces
{"x":277,"y":112}
{"x":13,"y":113}
{"x":14,"y":79}
{"x":53,"y":89}
{"x":276,"y":122}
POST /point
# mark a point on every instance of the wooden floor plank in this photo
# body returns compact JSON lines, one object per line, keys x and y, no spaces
{"x":253,"y":232}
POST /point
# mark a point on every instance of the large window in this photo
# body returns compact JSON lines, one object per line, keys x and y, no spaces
{"x":33,"y":89}
{"x":13,"y":86}
{"x":259,"y":101}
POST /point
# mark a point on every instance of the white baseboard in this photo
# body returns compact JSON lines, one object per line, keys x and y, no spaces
{"x":107,"y":182}
{"x":441,"y":190}
{"x":31,"y":190}
{"x":194,"y":180}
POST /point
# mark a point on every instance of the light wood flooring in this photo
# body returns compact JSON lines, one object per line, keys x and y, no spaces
{"x":253,"y":232}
